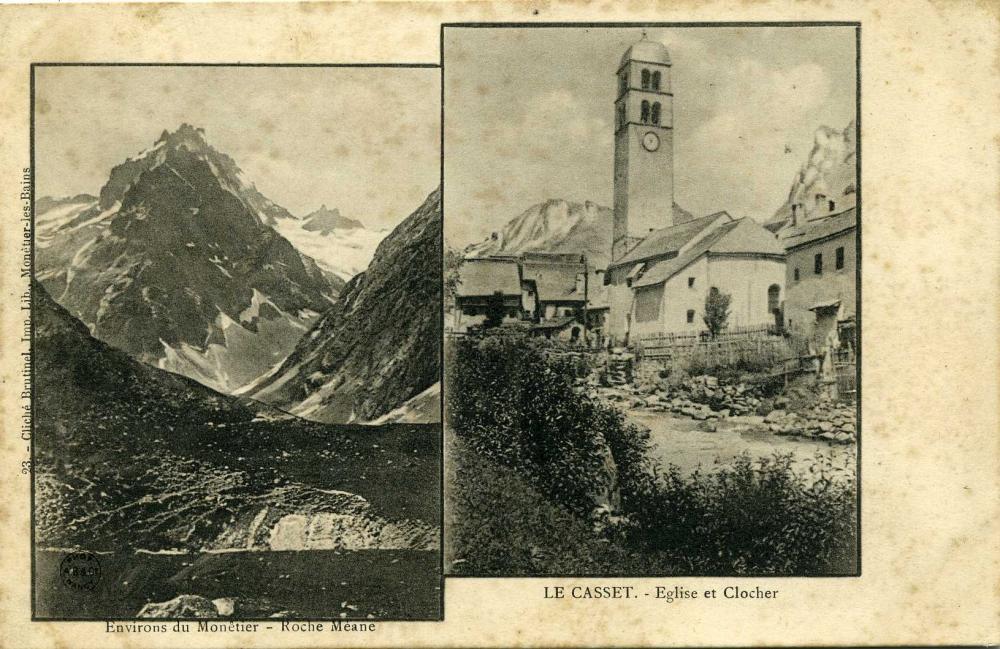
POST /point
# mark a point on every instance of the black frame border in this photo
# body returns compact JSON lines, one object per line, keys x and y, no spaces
{"x":857,"y":250}
{"x":31,"y":132}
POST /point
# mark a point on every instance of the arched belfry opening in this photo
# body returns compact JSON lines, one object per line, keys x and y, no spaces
{"x":644,"y":170}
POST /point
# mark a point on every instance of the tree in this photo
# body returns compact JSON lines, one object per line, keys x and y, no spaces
{"x":716,"y":311}
{"x":494,"y":310}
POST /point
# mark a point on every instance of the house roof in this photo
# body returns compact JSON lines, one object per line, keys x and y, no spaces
{"x":554,"y":281}
{"x":742,"y":237}
{"x":668,"y":241}
{"x":810,"y":231}
{"x":555,"y":323}
{"x":485,"y":276}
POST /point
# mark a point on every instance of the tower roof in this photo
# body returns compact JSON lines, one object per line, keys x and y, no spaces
{"x":647,"y":50}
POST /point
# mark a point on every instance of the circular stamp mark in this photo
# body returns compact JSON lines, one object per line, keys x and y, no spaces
{"x":80,"y":570}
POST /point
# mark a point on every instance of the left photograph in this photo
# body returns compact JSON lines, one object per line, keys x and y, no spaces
{"x":236,"y":342}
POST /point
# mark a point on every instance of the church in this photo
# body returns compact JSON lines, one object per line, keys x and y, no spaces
{"x":663,"y":266}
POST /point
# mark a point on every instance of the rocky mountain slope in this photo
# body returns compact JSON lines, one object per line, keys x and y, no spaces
{"x":178,"y":263}
{"x":559,"y":226}
{"x":379,"y":345}
{"x":830,"y":171}
{"x":145,"y":464}
{"x":112,"y":431}
{"x":341,"y":246}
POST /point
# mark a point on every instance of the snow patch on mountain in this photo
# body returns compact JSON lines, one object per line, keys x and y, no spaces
{"x":425,"y":408}
{"x":342,"y":252}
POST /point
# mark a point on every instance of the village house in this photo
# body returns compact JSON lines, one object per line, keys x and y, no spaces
{"x":480,"y":279}
{"x":546,"y":290}
{"x":821,"y":262}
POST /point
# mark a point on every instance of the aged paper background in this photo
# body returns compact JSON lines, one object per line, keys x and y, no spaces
{"x":931,"y":269}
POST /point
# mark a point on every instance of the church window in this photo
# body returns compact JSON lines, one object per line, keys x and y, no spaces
{"x":690,"y":316}
{"x":818,"y":264}
{"x":645,"y":79}
{"x":656,"y":113}
{"x":690,"y":282}
{"x":655,"y":81}
{"x":773,"y":295}
{"x":840,"y":258}
{"x":644,"y":112}
{"x":622,"y":84}
{"x":833,"y":206}
{"x":796,"y":273}
{"x":621,"y":116}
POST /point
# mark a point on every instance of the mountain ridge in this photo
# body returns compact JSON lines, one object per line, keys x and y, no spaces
{"x":379,"y":346}
{"x":176,"y":263}
{"x":558,"y":225}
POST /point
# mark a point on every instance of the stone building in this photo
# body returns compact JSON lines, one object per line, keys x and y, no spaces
{"x":821,"y":264}
{"x":661,"y":270}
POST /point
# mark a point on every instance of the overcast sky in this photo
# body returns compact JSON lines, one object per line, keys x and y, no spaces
{"x":528,"y":115}
{"x":364,"y":140}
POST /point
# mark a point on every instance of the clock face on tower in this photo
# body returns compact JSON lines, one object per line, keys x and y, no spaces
{"x":651,"y":141}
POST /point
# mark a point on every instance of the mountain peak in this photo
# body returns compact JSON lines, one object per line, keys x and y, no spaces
{"x":825,"y":183}
{"x":326,"y":221}
{"x":184,"y":132}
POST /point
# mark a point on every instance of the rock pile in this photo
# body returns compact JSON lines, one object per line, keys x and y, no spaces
{"x":824,"y":420}
{"x":618,"y":369}
{"x":707,"y":399}
{"x":704,"y":394}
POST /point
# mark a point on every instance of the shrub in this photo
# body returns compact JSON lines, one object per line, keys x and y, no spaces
{"x":515,"y":407}
{"x":754,"y":518}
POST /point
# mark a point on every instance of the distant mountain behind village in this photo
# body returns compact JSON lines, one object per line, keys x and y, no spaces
{"x":379,"y":345}
{"x":829,"y":171}
{"x":178,"y":262}
{"x":559,"y":226}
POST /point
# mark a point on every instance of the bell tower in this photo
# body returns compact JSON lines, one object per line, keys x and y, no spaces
{"x":644,"y":146}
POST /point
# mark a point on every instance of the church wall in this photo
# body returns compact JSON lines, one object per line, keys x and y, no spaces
{"x":747,"y":280}
{"x":679,"y":298}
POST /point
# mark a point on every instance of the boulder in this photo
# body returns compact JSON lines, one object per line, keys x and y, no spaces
{"x":225,"y":606}
{"x":181,"y":606}
{"x":774,"y":416}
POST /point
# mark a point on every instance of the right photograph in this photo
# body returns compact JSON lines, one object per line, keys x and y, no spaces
{"x":652,"y":300}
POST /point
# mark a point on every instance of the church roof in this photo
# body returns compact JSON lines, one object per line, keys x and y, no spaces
{"x":742,"y":237}
{"x":479,"y":277}
{"x":648,"y":51}
{"x":668,"y":241}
